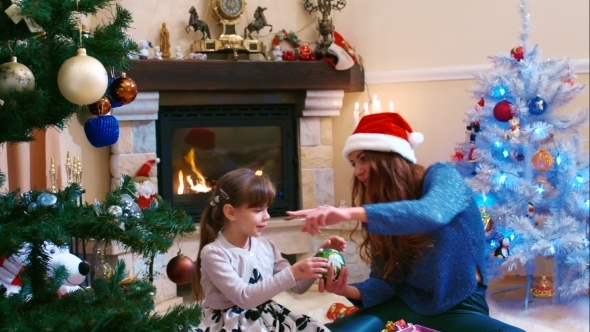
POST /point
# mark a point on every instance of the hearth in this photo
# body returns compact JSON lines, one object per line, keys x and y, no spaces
{"x":198,"y":144}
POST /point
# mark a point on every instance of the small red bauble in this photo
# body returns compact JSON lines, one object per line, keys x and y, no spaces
{"x":288,"y":56}
{"x":304,"y":53}
{"x":517,"y":53}
{"x":181,"y":269}
{"x":123,"y":90}
{"x":481,"y":102}
{"x":503,"y":111}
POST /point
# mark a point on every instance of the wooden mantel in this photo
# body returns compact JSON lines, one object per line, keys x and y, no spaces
{"x":216,"y":75}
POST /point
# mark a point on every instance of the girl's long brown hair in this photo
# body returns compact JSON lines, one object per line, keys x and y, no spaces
{"x":391,"y":178}
{"x":240,"y":187}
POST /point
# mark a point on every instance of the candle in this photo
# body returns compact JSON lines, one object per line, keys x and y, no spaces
{"x":374,"y":103}
{"x":366,"y":109}
{"x":356,"y":113}
{"x":391,"y":106}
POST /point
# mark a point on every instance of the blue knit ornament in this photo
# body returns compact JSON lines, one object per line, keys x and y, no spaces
{"x":102,"y":131}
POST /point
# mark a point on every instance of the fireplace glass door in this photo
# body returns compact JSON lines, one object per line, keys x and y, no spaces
{"x":199,"y":144}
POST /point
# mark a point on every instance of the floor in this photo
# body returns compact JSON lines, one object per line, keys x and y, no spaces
{"x":542,"y":316}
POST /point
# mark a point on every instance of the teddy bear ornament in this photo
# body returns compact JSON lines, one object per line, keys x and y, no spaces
{"x":12,"y":267}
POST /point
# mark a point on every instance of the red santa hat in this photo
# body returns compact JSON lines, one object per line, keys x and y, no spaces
{"x":145,"y":169}
{"x":201,"y":138}
{"x":386,"y":132}
{"x":343,"y":51}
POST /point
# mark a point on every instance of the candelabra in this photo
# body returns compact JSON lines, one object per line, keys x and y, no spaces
{"x":73,"y":170}
{"x":325,"y":26}
{"x":52,"y":175}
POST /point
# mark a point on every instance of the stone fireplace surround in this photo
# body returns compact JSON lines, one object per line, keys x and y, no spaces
{"x":137,"y":143}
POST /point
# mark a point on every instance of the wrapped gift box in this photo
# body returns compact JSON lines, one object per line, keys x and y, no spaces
{"x":417,"y":328}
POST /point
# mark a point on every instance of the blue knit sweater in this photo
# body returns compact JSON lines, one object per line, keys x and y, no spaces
{"x":445,"y":275}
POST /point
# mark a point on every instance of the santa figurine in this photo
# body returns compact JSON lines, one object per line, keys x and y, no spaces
{"x":146,"y":191}
{"x":343,"y":52}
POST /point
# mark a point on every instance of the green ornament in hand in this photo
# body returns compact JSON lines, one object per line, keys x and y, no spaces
{"x":335,"y":259}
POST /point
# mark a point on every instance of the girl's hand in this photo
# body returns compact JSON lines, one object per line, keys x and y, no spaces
{"x":337,"y":286}
{"x":309,"y":268}
{"x":320,"y":217}
{"x":335,"y":242}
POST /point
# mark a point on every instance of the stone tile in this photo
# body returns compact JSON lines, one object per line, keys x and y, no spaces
{"x":324,"y":186}
{"x":289,"y":240}
{"x":125,"y":142}
{"x":307,"y":189}
{"x":139,"y":268}
{"x":129,"y":164}
{"x":158,"y":297}
{"x":168,"y":289}
{"x":326,"y":131}
{"x":144,"y":136}
{"x":309,"y":131}
{"x":316,"y":157}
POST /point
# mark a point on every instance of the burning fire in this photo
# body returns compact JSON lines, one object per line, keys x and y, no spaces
{"x":197,"y":185}
{"x":200,"y":186}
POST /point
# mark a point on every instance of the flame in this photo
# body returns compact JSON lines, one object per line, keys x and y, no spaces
{"x":198,"y":184}
{"x":258,"y":172}
{"x":180,"y":190}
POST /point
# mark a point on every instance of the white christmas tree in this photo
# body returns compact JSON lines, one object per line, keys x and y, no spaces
{"x":529,"y":166}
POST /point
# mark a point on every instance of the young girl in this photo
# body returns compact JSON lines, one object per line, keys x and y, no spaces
{"x":239,"y":272}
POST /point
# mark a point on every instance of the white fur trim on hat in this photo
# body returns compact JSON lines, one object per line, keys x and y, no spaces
{"x":345,"y":61}
{"x":415,"y":139}
{"x":379,"y":142}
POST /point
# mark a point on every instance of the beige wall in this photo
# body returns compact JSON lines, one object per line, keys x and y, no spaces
{"x":391,"y":35}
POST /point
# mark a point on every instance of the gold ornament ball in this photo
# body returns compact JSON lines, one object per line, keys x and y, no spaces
{"x":15,"y":77}
{"x":82,"y":79}
{"x":101,"y":107}
{"x":123,"y":90}
{"x":542,"y":160}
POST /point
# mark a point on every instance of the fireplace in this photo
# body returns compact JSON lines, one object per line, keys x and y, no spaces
{"x":178,"y":96}
{"x":197,"y":144}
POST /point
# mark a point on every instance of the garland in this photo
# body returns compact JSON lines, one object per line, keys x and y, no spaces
{"x":289,"y":37}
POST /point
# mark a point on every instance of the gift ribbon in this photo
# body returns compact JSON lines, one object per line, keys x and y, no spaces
{"x":14,"y":13}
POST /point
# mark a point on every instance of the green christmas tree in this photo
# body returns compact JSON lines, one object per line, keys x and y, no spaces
{"x":42,"y":35}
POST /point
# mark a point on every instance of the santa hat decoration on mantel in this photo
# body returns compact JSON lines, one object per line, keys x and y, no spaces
{"x":386,"y":132}
{"x":345,"y":53}
{"x":144,"y":171}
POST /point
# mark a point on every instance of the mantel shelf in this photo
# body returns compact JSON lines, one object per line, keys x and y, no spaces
{"x":223,"y":75}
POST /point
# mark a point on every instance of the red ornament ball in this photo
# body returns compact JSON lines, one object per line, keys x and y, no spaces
{"x":304,"y":53}
{"x":123,"y":90}
{"x":101,"y":107}
{"x":517,"y":53}
{"x":503,"y":111}
{"x":181,"y":269}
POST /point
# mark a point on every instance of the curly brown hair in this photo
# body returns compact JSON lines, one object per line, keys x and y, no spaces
{"x":391,"y":178}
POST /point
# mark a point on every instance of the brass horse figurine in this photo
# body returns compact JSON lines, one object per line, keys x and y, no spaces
{"x":197,"y":25}
{"x":258,"y":24}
